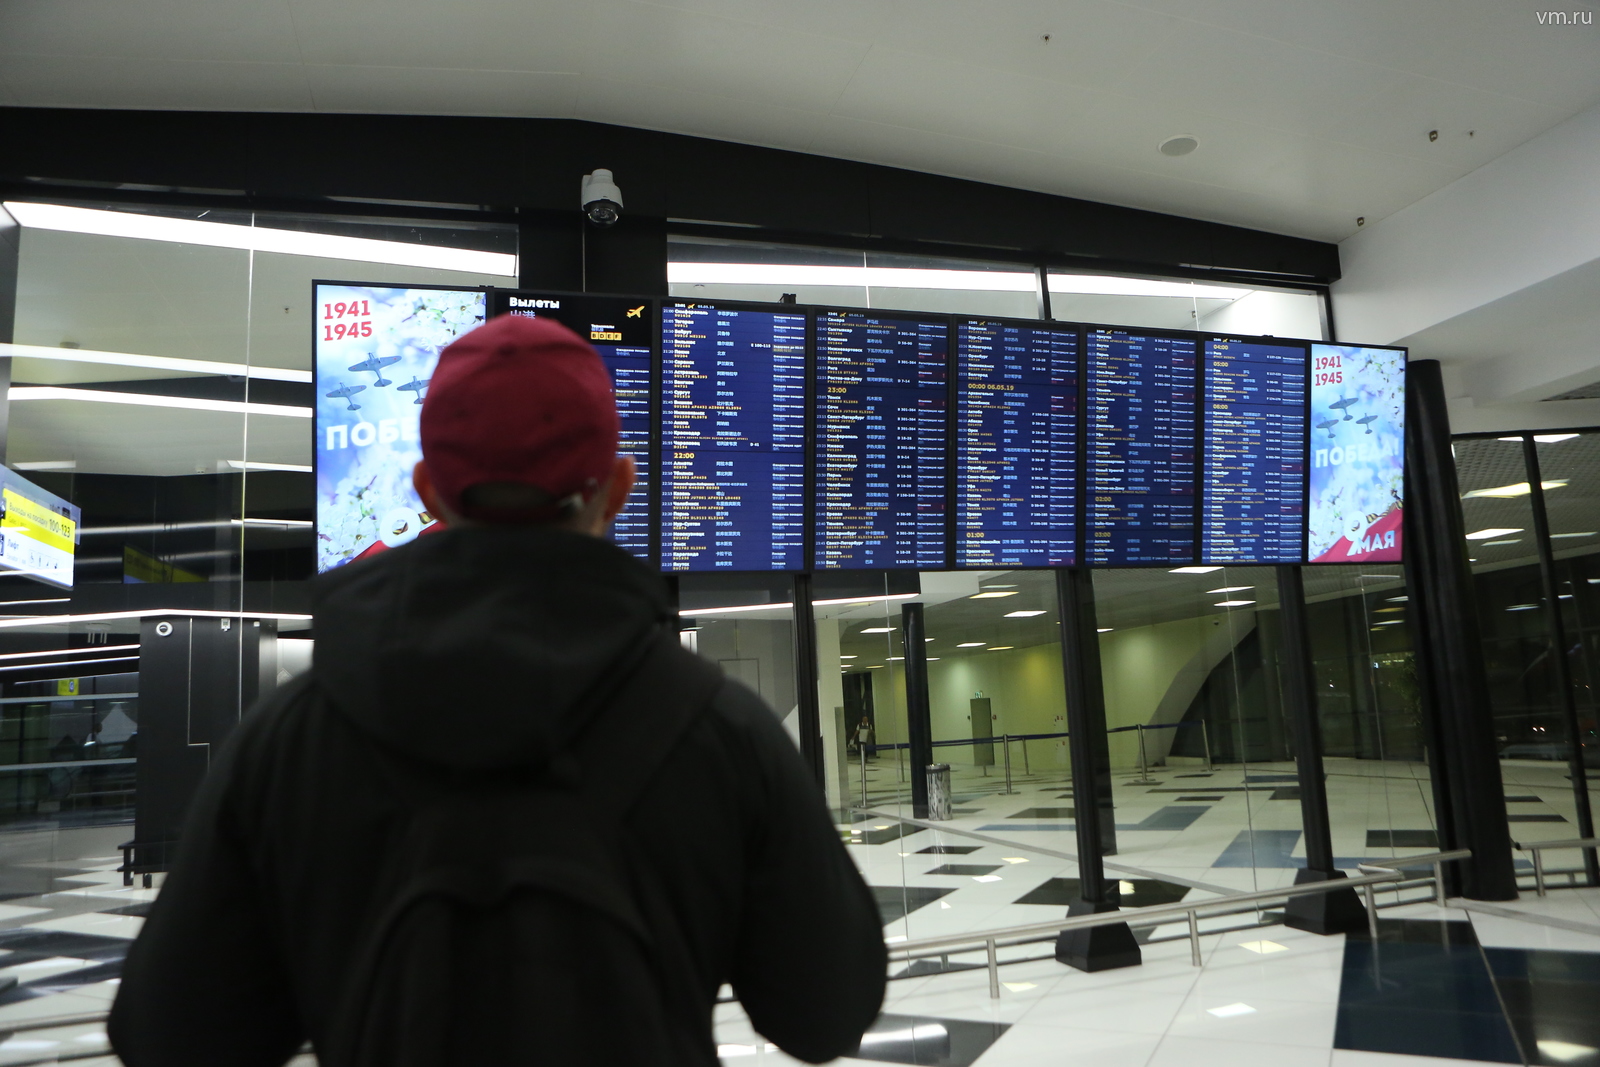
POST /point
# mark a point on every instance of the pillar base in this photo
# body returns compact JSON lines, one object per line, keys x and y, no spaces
{"x":1338,"y":911}
{"x":1099,"y":948}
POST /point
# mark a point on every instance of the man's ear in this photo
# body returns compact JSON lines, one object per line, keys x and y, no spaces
{"x":424,"y":486}
{"x":619,"y":486}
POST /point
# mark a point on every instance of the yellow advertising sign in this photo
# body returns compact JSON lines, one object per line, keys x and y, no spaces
{"x":39,"y":522}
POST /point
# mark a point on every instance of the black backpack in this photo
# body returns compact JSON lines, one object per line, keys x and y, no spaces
{"x":514,"y":930}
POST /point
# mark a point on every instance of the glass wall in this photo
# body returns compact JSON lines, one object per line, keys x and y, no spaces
{"x":1542,"y":657}
{"x":161,"y":386}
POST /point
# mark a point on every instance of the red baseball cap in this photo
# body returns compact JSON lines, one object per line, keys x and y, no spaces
{"x":521,"y":400}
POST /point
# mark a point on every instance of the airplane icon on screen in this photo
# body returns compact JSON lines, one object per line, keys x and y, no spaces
{"x":1328,"y":425}
{"x":375,"y":364}
{"x":345,"y":392}
{"x":634,"y":313}
{"x":1342,"y":405}
{"x":1366,"y":420}
{"x":417,"y":385}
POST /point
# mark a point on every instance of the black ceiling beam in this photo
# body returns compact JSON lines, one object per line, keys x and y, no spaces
{"x":508,"y":165}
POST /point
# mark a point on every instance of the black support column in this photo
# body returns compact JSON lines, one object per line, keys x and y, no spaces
{"x":1099,"y":948}
{"x":10,"y":259}
{"x":1445,"y":615}
{"x":805,"y":679}
{"x":1560,"y":650}
{"x":919,"y":720}
{"x":1337,"y":911}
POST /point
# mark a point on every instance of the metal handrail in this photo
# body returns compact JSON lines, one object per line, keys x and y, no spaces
{"x":1157,"y":914}
{"x":1537,"y":847}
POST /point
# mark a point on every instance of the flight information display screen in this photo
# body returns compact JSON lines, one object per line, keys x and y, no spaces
{"x":1142,"y":435}
{"x":1255,"y":457}
{"x":733,"y":438}
{"x":1016,"y":444}
{"x":882,"y":432}
{"x":623,"y":332}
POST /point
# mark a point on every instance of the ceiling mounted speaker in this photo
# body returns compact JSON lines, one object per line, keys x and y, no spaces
{"x":1180,"y":145}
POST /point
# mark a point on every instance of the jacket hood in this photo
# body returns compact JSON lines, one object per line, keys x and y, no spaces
{"x":483,"y":646}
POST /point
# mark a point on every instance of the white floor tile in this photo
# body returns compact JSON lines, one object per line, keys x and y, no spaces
{"x":127,"y":926}
{"x":1053,"y":1046}
{"x":1182,"y":1051}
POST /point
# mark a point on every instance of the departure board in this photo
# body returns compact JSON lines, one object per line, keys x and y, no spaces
{"x":882,"y":430}
{"x":1016,"y":444}
{"x":1141,"y":444}
{"x":1255,"y":454}
{"x":733,"y":438}
{"x":621,"y":330}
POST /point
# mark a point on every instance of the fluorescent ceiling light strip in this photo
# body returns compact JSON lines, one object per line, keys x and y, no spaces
{"x":66,"y":663}
{"x":259,"y":239}
{"x":171,"y":363}
{"x":50,"y":600}
{"x":155,"y":400}
{"x":257,"y":465}
{"x":86,"y":650}
{"x":800,"y":274}
{"x":773,"y":607}
{"x":117,"y":616}
{"x":1110,"y":285}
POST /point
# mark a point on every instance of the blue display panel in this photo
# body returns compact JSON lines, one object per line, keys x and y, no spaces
{"x":622,"y":330}
{"x":733,"y":438}
{"x":882,"y":432}
{"x":1255,"y":457}
{"x":1141,"y":442}
{"x":1016,"y":444}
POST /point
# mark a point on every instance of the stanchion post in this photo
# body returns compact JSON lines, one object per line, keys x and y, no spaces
{"x":919,"y":726}
{"x":1007,"y":739}
{"x":861,"y":745}
{"x":1194,"y":939}
{"x":1026,"y":770}
{"x":1205,"y":739}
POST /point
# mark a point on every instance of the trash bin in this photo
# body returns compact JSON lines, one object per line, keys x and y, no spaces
{"x":938,"y":790}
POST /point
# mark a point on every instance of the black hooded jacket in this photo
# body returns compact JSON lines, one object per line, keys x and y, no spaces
{"x":473,"y":650}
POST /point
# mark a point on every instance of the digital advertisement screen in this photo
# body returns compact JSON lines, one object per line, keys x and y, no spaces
{"x":733,"y":470}
{"x":1142,"y":506}
{"x":1255,"y":458}
{"x":38,"y":531}
{"x":622,"y":330}
{"x":882,"y":432}
{"x":1358,"y":410}
{"x":1016,"y":444}
{"x":375,"y":350}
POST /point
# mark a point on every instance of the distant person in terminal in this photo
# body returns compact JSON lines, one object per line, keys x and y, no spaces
{"x":506,"y":818}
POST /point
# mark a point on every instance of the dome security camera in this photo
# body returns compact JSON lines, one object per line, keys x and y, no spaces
{"x":601,"y":199}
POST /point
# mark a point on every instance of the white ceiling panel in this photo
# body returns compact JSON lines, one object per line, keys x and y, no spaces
{"x":1278,"y":91}
{"x":166,"y":441}
{"x":437,"y":91}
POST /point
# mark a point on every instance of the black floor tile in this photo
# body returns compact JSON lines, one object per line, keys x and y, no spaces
{"x":1146,"y":891}
{"x":920,"y":968}
{"x":878,"y":837}
{"x":968,"y":870}
{"x":965,"y":811}
{"x":1043,"y":813}
{"x":1413,"y":1032}
{"x":140,"y":910}
{"x":1536,"y":818}
{"x":895,"y":902}
{"x":1577,"y":1002}
{"x":948,"y":850}
{"x":1558,"y":1042}
{"x":1206,"y":775}
{"x":1195,"y":800}
{"x":1524,"y":800}
{"x":1287,"y":793}
{"x":1168,"y":818}
{"x":1402,"y":839}
{"x":925,"y":1040}
{"x":1251,"y":779}
{"x":1545,"y":964}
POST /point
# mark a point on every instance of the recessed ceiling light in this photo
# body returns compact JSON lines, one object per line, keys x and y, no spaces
{"x":1513,"y":541}
{"x":1234,"y":603}
{"x":927,"y":639}
{"x":849,"y":657}
{"x":972,"y":644}
{"x":1493,"y":531}
{"x":1231,"y":589}
{"x":155,"y":400}
{"x":1544,"y":438}
{"x":1523,"y":607}
{"x":1586,"y":533}
{"x":879,"y":630}
{"x":1515,"y":489}
{"x":1103,"y":630}
{"x":1181,"y":145}
{"x":1001,"y":648}
{"x":894,"y":659}
{"x":1193,"y":570}
{"x":256,"y":465}
{"x":991,"y":596}
{"x":1398,"y":599}
{"x":1022,"y":614}
{"x":1381,"y":611}
{"x":873,"y":666}
{"x":932,"y":658}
